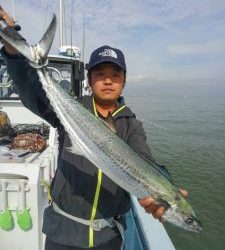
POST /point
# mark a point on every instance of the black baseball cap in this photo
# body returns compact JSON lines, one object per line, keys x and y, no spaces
{"x":107,"y":54}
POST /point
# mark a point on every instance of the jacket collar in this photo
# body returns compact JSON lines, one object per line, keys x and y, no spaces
{"x":121,"y":111}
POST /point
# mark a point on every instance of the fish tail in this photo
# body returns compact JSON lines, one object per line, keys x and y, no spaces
{"x":46,"y":42}
{"x":37,"y":54}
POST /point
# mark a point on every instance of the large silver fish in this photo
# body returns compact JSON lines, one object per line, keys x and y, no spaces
{"x":91,"y":138}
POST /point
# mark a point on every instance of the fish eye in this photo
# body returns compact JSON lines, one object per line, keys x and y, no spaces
{"x":189,"y":221}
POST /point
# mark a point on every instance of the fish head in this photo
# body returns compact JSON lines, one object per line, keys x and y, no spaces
{"x":181,"y":214}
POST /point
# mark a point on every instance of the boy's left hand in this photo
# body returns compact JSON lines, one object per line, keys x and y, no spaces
{"x":152,"y":208}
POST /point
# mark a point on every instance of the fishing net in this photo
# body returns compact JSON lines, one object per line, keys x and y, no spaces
{"x":30,"y":137}
{"x":40,"y":128}
{"x":29,"y":141}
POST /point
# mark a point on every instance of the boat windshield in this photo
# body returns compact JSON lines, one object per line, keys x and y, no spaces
{"x":60,"y":71}
{"x":7,"y":90}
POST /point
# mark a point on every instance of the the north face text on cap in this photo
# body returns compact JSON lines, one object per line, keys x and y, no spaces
{"x":108,"y":52}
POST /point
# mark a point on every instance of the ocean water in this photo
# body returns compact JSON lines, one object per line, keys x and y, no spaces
{"x":185,"y":126}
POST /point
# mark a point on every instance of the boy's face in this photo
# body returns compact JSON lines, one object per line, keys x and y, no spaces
{"x":107,"y":82}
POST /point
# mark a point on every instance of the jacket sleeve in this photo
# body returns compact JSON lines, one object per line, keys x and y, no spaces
{"x":28,"y":87}
{"x":137,"y":140}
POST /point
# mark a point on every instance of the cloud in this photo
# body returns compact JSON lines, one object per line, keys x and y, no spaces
{"x":156,"y":35}
{"x":212,"y":47}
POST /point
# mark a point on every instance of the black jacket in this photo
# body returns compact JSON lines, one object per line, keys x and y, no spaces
{"x":74,"y":185}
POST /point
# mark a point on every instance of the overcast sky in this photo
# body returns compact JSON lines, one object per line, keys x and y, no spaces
{"x":169,"y":40}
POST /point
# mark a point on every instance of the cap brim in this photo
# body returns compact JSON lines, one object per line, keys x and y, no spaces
{"x":106,"y":60}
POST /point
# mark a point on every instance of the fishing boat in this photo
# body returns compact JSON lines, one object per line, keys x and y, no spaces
{"x":25,"y":176}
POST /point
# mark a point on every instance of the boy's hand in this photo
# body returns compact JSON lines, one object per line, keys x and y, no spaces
{"x":10,"y":22}
{"x":7,"y":18}
{"x":152,"y":208}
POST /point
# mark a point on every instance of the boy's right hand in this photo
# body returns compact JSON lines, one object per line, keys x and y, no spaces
{"x":10,"y":22}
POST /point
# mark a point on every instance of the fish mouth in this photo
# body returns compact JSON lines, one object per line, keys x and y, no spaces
{"x":197,"y":229}
{"x":200,"y":228}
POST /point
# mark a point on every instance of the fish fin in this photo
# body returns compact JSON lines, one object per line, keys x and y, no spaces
{"x":160,"y":168}
{"x":163,"y":203}
{"x":46,"y":42}
{"x":108,"y":122}
{"x":72,"y":147}
{"x":74,"y":150}
{"x":37,"y":55}
{"x":108,"y":125}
